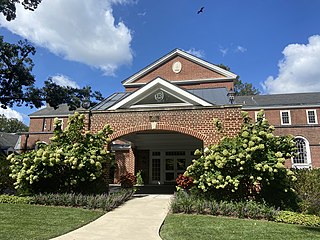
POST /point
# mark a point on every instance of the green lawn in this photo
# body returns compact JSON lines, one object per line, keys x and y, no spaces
{"x":22,"y":221}
{"x":204,"y":227}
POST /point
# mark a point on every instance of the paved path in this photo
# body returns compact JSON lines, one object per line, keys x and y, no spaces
{"x":138,"y":219}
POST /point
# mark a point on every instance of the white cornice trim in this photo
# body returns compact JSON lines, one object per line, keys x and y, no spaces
{"x":163,"y":84}
{"x":180,"y":82}
{"x":186,"y":55}
{"x":279,"y":107}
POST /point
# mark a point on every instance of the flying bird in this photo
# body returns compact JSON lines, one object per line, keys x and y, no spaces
{"x":201,"y":10}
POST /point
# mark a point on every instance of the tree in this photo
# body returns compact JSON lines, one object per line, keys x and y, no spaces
{"x":247,"y":166}
{"x":17,"y":84}
{"x":240,"y":88}
{"x":12,"y":125}
{"x":75,"y":161}
{"x":8,"y":7}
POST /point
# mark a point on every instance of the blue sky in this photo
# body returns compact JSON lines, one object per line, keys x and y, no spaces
{"x":275,"y":44}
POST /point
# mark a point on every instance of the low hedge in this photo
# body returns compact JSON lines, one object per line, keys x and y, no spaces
{"x":15,"y":199}
{"x":298,"y":218}
{"x":186,"y":203}
{"x":102,"y":201}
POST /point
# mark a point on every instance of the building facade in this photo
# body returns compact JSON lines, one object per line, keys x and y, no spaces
{"x":166,"y":112}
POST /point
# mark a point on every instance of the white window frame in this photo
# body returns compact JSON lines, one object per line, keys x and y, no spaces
{"x":307,"y":164}
{"x":256,"y":115}
{"x":289,"y":116}
{"x":315,"y":116}
{"x":61,"y":120}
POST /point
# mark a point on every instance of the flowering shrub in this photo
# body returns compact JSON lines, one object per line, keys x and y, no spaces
{"x":74,"y":159}
{"x":184,"y":182}
{"x":128,"y":180}
{"x":247,"y":166}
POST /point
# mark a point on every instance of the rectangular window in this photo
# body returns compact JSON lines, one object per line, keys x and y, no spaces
{"x":285,"y":117}
{"x":44,"y":125}
{"x":61,"y":120}
{"x":312,"y":117}
{"x":256,"y":115}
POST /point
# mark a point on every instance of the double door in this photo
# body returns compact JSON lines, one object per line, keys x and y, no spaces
{"x":167,"y":165}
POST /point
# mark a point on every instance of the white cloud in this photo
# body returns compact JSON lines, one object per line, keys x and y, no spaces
{"x":241,"y":49}
{"x":142,"y":14}
{"x":224,"y":51}
{"x":198,"y":53}
{"x":299,"y":70}
{"x":79,"y":30}
{"x":9,"y":113}
{"x":64,"y":81}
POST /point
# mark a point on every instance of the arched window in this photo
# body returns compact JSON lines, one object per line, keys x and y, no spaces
{"x":303,"y":157}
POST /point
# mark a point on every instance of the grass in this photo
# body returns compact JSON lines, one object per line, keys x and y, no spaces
{"x":22,"y":221}
{"x":185,"y":227}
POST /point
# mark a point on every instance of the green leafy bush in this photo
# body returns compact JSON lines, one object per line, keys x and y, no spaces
{"x":307,"y":187}
{"x":15,"y":199}
{"x":139,"y":178}
{"x":102,"y":201}
{"x":75,"y":161}
{"x":247,"y":166}
{"x":190,"y":203}
{"x":298,"y":218}
{"x":6,"y":182}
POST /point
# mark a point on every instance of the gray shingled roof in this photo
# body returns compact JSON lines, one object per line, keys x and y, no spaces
{"x":8,"y":140}
{"x":290,"y":99}
{"x":216,"y":96}
{"x":62,"y":110}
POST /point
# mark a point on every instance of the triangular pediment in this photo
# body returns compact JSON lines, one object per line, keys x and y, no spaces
{"x":159,"y":93}
{"x":179,"y":67}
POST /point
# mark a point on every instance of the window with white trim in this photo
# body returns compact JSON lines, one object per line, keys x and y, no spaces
{"x":302,"y":158}
{"x":61,"y":120}
{"x":312,"y":116}
{"x":285,"y":117}
{"x":256,"y":115}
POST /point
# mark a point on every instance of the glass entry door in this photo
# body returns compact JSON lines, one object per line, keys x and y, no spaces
{"x":175,"y":164}
{"x":165,"y":166}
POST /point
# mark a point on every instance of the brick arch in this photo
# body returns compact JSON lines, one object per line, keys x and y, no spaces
{"x":145,"y":127}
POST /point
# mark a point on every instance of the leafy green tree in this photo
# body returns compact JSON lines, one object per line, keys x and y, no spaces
{"x":75,"y":161}
{"x":247,"y":166}
{"x":240,"y":88}
{"x":17,"y":84}
{"x":12,"y":125}
{"x":8,"y":7}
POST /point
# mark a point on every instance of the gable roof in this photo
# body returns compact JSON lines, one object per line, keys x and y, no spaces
{"x":160,"y":83}
{"x":279,"y":100}
{"x":8,"y":140}
{"x":61,"y":111}
{"x":175,"y":53}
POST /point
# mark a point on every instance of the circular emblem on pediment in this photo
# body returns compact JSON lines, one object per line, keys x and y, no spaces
{"x":159,"y":96}
{"x":176,"y":67}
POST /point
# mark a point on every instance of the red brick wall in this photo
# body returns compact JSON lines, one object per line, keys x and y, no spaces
{"x":36,"y":126}
{"x":189,"y":71}
{"x":298,"y":127}
{"x":194,"y":122}
{"x":124,"y":164}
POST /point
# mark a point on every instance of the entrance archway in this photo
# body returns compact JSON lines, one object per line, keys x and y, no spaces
{"x":161,"y":155}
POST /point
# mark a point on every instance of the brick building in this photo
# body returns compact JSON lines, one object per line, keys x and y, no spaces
{"x":166,"y":112}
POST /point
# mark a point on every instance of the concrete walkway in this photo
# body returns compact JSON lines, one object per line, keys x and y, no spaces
{"x":139,"y":218}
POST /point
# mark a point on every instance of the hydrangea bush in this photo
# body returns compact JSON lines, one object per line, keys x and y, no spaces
{"x":74,"y":159}
{"x":250,"y":165}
